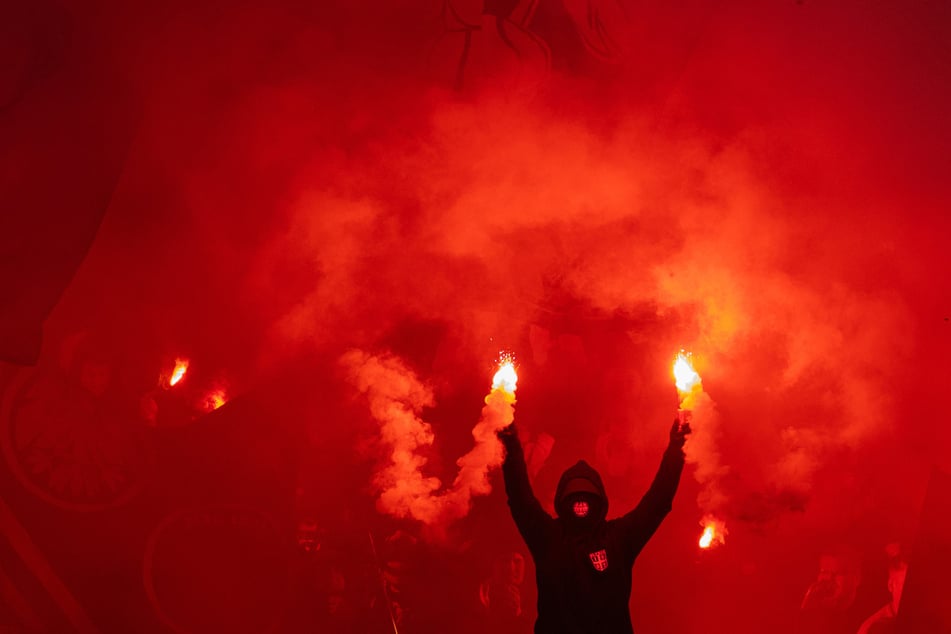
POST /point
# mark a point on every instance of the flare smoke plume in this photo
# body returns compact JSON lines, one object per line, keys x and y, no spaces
{"x":396,"y":398}
{"x":703,"y":452}
{"x":761,"y":181}
{"x":592,"y":183}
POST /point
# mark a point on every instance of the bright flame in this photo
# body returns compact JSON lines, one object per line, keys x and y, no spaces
{"x":714,"y":532}
{"x":181,"y":366}
{"x":506,"y":377}
{"x":684,"y":374}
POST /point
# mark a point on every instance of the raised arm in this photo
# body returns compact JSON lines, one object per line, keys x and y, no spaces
{"x":640,"y":524}
{"x":530,"y":518}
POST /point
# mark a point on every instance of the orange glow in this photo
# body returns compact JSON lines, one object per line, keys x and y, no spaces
{"x":506,"y":377}
{"x":685,"y":376}
{"x":714,"y":532}
{"x":214,"y":400}
{"x":181,"y":366}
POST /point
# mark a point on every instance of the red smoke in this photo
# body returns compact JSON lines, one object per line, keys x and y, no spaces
{"x":396,"y":399}
{"x":763,"y":183}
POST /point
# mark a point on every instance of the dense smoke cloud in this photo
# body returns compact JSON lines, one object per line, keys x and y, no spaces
{"x":508,"y":199}
{"x":331,"y":185}
{"x":764,"y":185}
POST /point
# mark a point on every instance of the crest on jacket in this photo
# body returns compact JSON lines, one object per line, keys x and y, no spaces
{"x":599,"y":559}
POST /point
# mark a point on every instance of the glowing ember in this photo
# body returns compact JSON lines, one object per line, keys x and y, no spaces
{"x":684,"y":374}
{"x":714,"y":532}
{"x":506,"y":377}
{"x":181,"y":366}
{"x":214,"y":400}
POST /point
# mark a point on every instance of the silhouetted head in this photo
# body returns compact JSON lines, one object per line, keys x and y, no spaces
{"x":580,"y":497}
{"x":837,"y":581}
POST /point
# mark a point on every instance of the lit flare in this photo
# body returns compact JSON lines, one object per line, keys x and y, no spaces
{"x":506,"y":378}
{"x":214,"y":399}
{"x":685,"y":376}
{"x":714,"y":532}
{"x":181,"y":366}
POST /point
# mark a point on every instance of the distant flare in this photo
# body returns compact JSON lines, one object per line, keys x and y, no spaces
{"x":214,"y":399}
{"x":714,"y":532}
{"x":181,"y":366}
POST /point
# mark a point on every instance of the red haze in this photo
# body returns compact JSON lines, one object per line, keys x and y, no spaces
{"x":763,"y":184}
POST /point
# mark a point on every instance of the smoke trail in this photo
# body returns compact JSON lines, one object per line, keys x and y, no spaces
{"x":703,"y":452}
{"x":486,"y":454}
{"x":396,"y":398}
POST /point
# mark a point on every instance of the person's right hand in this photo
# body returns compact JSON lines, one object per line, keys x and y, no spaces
{"x":508,"y":432}
{"x":678,"y":433}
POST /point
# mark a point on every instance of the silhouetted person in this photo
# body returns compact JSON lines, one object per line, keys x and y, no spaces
{"x":830,"y":604}
{"x":583,"y":562}
{"x":321,"y":599}
{"x":501,"y":595}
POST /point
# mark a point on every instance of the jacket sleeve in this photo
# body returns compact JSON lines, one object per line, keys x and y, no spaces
{"x":638,"y":525}
{"x":530,"y":518}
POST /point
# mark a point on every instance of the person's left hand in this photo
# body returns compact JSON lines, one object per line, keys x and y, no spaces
{"x":678,"y":433}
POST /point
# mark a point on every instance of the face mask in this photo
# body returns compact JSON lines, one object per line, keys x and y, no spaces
{"x":580,"y":508}
{"x":583,"y":510}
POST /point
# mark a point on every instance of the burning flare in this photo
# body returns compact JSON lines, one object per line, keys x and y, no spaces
{"x":214,"y":399}
{"x":486,"y":453}
{"x":498,"y":412}
{"x":714,"y":532}
{"x":505,"y":378}
{"x":685,"y":376}
{"x":688,"y":383}
{"x":181,"y":366}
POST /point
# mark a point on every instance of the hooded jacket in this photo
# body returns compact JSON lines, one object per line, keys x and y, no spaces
{"x":583,"y":567}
